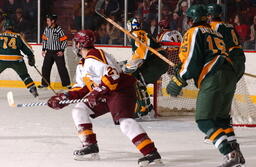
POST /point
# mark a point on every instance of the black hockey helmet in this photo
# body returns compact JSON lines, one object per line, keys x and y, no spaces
{"x":51,"y":16}
{"x":197,"y":13}
{"x":214,"y":10}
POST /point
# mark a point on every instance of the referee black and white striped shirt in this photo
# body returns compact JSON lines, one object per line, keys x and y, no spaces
{"x":54,"y":39}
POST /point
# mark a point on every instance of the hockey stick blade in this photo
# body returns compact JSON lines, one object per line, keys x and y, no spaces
{"x":10,"y":99}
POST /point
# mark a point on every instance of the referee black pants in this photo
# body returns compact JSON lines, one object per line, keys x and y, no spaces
{"x":49,"y":59}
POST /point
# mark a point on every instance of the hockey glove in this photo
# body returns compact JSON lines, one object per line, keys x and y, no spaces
{"x":175,"y":85}
{"x":31,"y":61}
{"x":54,"y":101}
{"x":97,"y":95}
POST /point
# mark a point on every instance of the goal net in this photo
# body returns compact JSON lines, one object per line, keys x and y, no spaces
{"x":243,"y":107}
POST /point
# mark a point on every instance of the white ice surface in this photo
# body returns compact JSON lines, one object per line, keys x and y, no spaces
{"x":42,"y":137}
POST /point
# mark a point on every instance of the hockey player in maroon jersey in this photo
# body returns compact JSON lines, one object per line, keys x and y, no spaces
{"x":107,"y":89}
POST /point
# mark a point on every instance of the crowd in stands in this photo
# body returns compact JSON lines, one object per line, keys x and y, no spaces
{"x":172,"y":10}
{"x":23,"y":14}
{"x":240,"y":13}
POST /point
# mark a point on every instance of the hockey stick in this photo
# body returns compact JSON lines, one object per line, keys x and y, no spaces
{"x":11,"y":102}
{"x":250,"y":75}
{"x":45,"y":80}
{"x":136,"y":39}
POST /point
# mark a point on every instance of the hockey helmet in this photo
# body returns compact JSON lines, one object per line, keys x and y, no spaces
{"x":85,"y":38}
{"x":51,"y":16}
{"x":164,"y":24}
{"x":214,"y":10}
{"x":197,"y":13}
{"x":133,"y":24}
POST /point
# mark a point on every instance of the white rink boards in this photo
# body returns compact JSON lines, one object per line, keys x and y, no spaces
{"x":40,"y":137}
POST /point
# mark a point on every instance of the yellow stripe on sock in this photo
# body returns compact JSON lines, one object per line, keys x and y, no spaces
{"x":30,"y":84}
{"x":215,"y":134}
{"x":229,"y":130}
{"x":86,"y":132}
{"x":143,"y":144}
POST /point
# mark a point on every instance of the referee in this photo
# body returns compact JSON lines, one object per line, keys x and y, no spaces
{"x":54,"y":44}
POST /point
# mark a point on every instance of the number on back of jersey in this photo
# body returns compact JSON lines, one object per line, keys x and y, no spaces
{"x":174,"y":36}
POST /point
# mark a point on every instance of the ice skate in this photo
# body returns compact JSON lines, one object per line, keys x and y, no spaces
{"x":232,"y":159}
{"x":153,"y":159}
{"x":236,"y":147}
{"x":33,"y":91}
{"x":87,"y":153}
{"x":207,"y":140}
{"x":149,"y":117}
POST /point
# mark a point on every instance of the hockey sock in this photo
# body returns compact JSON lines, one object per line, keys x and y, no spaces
{"x":83,"y":123}
{"x":144,"y":144}
{"x":225,"y":124}
{"x":216,"y":135}
{"x":137,"y":135}
{"x":27,"y":81}
{"x":86,"y":134}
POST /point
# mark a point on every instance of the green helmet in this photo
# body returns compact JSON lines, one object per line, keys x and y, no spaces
{"x":197,"y":13}
{"x":214,"y":10}
{"x":8,"y":25}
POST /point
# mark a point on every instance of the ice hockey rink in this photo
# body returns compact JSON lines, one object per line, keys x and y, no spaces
{"x":42,"y":137}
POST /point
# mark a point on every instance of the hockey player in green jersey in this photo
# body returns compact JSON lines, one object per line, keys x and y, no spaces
{"x":235,"y":53}
{"x":144,"y":65}
{"x":10,"y":56}
{"x":205,"y":60}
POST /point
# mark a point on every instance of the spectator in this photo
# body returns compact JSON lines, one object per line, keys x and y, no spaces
{"x":165,"y":13}
{"x":102,"y":35}
{"x":143,"y":24}
{"x":30,"y":9}
{"x":241,"y":28}
{"x":153,"y":29}
{"x":108,"y":7}
{"x":2,"y":20}
{"x":174,"y":23}
{"x":115,"y":36}
{"x":54,"y":44}
{"x":10,"y":7}
{"x":153,"y":9}
{"x":91,"y":20}
{"x":20,"y":23}
{"x":250,"y":44}
{"x":183,"y":18}
{"x":140,"y":8}
{"x":77,"y":16}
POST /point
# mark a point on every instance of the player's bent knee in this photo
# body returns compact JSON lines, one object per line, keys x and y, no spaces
{"x":81,"y":114}
{"x":130,"y":127}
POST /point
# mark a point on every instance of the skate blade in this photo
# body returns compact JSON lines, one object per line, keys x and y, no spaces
{"x":207,"y":141}
{"x":155,"y":163}
{"x":239,"y":165}
{"x":88,"y":157}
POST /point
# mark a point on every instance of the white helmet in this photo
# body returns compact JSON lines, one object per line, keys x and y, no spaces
{"x":133,"y":24}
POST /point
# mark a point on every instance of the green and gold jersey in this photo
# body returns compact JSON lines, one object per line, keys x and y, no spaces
{"x":10,"y":46}
{"x":230,"y":37}
{"x":140,"y":51}
{"x":202,"y":51}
